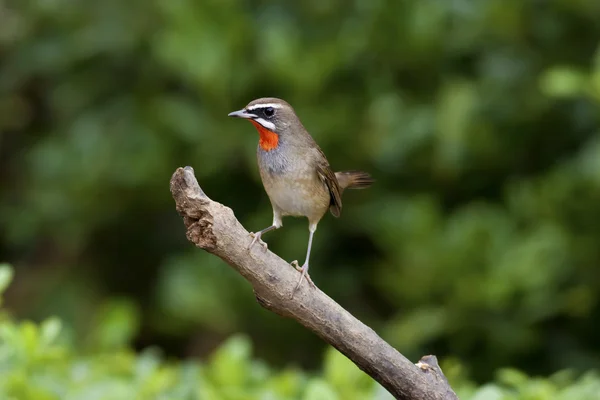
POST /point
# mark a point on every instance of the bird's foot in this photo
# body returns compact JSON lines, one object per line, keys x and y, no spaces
{"x":295,"y":265}
{"x":303,"y":273}
{"x":256,"y":238}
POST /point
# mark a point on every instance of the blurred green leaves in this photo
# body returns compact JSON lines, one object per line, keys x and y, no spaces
{"x":117,"y":323}
{"x":38,"y":363}
{"x":513,"y":384}
{"x":6,"y":276}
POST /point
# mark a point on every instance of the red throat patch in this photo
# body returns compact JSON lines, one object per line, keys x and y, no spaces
{"x":268,"y":140}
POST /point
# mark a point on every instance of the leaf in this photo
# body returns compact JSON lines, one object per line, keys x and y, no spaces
{"x":6,"y":276}
{"x":562,"y":82}
{"x":50,"y":329}
{"x":230,"y":364}
{"x":116,"y":324}
{"x":488,"y":392}
{"x":318,"y":389}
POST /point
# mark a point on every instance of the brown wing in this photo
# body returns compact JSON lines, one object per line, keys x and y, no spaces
{"x":328,"y":177}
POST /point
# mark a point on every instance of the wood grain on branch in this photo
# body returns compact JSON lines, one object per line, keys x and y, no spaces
{"x":213,"y":227}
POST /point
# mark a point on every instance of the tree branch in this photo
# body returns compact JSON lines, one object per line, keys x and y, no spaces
{"x":213,"y":227}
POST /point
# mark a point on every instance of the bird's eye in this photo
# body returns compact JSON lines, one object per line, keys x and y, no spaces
{"x":269,"y":111}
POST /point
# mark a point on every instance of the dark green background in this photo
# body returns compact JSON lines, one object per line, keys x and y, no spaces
{"x":480,"y":241}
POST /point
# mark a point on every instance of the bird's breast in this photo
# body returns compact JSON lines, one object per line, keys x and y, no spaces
{"x":293,"y":186}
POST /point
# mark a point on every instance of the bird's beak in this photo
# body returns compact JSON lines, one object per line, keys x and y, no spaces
{"x":242,"y":114}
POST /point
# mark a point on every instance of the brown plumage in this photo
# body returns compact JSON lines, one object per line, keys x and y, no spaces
{"x":295,"y":173}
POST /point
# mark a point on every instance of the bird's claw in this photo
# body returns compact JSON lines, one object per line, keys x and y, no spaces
{"x":256,"y":238}
{"x":304,"y":273}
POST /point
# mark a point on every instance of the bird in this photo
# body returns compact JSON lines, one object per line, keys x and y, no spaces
{"x":295,"y":172}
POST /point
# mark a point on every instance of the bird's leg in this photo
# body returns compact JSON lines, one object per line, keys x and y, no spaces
{"x":304,"y":269}
{"x":304,"y":273}
{"x":257,"y":236}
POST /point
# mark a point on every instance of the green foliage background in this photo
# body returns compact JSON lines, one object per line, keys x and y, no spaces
{"x":479,"y":120}
{"x":40,"y":362}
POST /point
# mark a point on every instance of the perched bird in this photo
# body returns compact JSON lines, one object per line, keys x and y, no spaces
{"x":294,"y":171}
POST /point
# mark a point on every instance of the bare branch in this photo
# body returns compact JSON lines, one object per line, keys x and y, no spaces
{"x":213,"y":227}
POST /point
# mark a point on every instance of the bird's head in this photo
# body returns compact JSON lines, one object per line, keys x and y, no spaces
{"x":273,"y":118}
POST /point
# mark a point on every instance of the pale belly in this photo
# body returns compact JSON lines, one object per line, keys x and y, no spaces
{"x":307,"y":196}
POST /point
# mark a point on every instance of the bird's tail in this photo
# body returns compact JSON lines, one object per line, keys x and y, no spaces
{"x":354,"y":179}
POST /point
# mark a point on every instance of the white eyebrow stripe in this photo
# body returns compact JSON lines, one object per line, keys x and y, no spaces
{"x":264,"y":105}
{"x":269,"y":125}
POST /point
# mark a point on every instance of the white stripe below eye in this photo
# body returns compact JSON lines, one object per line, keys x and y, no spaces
{"x":269,"y":125}
{"x":265,"y":105}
